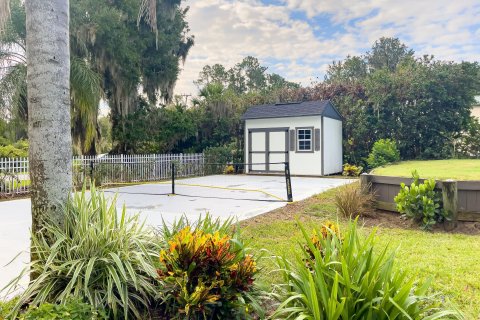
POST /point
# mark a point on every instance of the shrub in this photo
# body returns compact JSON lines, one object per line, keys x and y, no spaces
{"x":22,"y":145}
{"x":17,"y":150}
{"x":99,"y":256}
{"x":348,"y":278}
{"x":351,"y":170}
{"x":229,"y":169}
{"x":420,"y":202}
{"x":206,"y":273}
{"x":6,"y":308}
{"x":351,"y":200}
{"x":11,"y":152}
{"x":384,"y":151}
{"x":222,"y":156}
{"x":72,"y":310}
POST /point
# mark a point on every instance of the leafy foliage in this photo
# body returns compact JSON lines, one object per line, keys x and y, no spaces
{"x":128,"y":55}
{"x":351,"y":170}
{"x":112,"y":55}
{"x":420,"y":102}
{"x":353,"y":200}
{"x":214,"y":120}
{"x":72,"y":310}
{"x":229,"y":169}
{"x":158,"y":130}
{"x":6,"y":308}
{"x":222,"y":154}
{"x":246,"y":76}
{"x":346,"y":277}
{"x":384,"y":151}
{"x":17,"y":150}
{"x":467,"y":144}
{"x":95,"y":254}
{"x":421,"y":202}
{"x":206,"y":273}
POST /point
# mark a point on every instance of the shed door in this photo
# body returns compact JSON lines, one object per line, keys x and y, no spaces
{"x":268,"y":149}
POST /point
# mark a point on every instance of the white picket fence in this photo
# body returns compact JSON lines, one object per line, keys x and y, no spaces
{"x":105,"y":170}
{"x":14,"y":177}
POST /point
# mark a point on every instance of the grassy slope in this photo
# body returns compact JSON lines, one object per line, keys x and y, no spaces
{"x":452,"y":259}
{"x":468,"y":169}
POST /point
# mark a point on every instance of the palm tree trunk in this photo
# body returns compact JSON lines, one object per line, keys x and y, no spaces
{"x":4,"y":13}
{"x":48,"y":80}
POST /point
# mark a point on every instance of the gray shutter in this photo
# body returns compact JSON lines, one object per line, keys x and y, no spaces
{"x":317,"y":139}
{"x":292,"y":140}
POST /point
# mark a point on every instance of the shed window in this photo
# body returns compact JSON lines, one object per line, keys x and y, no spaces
{"x":304,"y":139}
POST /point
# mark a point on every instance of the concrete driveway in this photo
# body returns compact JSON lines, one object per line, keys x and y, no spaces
{"x":238,"y":196}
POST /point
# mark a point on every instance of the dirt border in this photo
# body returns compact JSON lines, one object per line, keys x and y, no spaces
{"x":378,"y":218}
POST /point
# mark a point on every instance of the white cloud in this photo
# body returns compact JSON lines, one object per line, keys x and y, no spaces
{"x":226,"y":31}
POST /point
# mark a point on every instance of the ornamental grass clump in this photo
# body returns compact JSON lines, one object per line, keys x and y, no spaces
{"x":99,"y":256}
{"x":206,"y":273}
{"x":343,"y":276}
{"x":353,"y":200}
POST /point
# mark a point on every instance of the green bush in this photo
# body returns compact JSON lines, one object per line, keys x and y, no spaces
{"x":206,"y":273}
{"x":6,"y":308}
{"x":221,"y":156}
{"x":13,"y":151}
{"x":72,"y":310}
{"x":351,"y":170}
{"x":99,"y":256}
{"x":343,"y":276}
{"x":420,"y":202}
{"x":384,"y":151}
{"x":17,"y":150}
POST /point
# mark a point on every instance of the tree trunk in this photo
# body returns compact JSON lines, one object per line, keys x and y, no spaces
{"x":48,"y":80}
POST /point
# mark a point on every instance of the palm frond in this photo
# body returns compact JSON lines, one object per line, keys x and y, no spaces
{"x":148,"y":12}
{"x":85,"y":95}
{"x":13,"y":92}
{"x":13,"y":29}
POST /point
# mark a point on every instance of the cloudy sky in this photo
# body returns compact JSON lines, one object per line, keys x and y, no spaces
{"x":299,"y":38}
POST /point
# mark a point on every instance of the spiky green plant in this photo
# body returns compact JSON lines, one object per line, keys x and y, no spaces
{"x":206,"y":223}
{"x":344,"y":277}
{"x":100,"y":256}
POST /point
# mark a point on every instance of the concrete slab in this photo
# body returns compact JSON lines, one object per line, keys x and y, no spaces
{"x":238,"y":196}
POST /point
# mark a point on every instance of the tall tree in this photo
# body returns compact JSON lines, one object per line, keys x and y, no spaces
{"x":48,"y":89}
{"x":244,"y":77}
{"x":130,"y":57}
{"x":387,"y":53}
{"x":84,"y":82}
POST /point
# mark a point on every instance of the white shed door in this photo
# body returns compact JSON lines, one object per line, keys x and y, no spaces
{"x":267,"y":149}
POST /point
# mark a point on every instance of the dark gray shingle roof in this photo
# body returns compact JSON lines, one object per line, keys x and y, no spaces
{"x":295,"y":109}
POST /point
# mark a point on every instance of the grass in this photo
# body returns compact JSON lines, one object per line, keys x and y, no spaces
{"x":451,"y":259}
{"x":460,"y":169}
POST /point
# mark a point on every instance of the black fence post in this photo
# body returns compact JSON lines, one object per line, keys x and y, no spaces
{"x":92,"y":172}
{"x":289,"y":182}
{"x":172,"y":164}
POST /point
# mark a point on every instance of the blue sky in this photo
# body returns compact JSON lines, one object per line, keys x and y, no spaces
{"x":299,"y":38}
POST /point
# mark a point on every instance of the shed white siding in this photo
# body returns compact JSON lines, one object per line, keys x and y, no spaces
{"x":301,"y":163}
{"x":333,"y":148}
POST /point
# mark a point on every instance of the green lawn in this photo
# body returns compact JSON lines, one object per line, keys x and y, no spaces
{"x":451,"y":259}
{"x":464,"y":169}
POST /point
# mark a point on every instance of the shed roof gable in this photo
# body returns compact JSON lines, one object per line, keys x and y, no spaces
{"x":295,"y":109}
